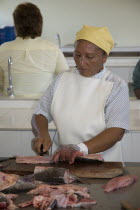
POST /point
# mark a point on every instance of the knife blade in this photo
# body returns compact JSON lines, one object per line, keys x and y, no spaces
{"x":6,"y":158}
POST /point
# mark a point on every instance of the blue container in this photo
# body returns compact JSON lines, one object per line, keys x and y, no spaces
{"x":7,"y":34}
{"x":2,"y":35}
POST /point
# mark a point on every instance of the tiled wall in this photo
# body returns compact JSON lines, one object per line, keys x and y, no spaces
{"x":67,"y":16}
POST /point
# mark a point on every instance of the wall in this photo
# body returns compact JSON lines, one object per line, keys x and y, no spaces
{"x":22,"y":140}
{"x":67,"y":16}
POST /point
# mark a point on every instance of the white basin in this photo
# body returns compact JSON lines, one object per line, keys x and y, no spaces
{"x":20,"y":103}
{"x":16,"y":114}
{"x":70,"y":48}
{"x":135,"y":104}
{"x":16,"y":118}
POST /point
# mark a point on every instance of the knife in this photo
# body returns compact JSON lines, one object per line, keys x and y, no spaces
{"x":43,"y":153}
{"x":6,"y":158}
{"x":127,"y":205}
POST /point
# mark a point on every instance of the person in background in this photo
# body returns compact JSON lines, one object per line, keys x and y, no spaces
{"x":88,"y":104}
{"x":35,"y":61}
{"x":1,"y":82}
{"x":136,"y":80}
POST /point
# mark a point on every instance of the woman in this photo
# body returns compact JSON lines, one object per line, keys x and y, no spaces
{"x":88,"y":104}
{"x":35,"y":61}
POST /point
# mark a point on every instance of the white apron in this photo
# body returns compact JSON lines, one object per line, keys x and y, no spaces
{"x":78,"y":111}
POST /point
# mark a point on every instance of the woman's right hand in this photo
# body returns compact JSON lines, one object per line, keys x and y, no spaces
{"x":41,"y":145}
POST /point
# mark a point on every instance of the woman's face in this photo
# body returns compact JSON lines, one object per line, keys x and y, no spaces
{"x":89,"y":58}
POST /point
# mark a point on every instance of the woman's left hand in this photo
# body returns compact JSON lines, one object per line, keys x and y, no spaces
{"x":67,"y":153}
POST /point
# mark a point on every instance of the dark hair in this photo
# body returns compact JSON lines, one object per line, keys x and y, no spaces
{"x":28,"y":20}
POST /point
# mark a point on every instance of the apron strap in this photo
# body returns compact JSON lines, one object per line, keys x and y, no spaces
{"x":106,"y":75}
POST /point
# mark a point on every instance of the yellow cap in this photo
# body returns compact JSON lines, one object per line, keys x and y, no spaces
{"x":99,"y":36}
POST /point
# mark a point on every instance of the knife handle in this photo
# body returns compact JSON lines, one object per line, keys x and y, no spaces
{"x":127,"y":206}
{"x":41,"y":151}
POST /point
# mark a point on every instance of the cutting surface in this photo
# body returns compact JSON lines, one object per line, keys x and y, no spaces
{"x":105,"y":201}
{"x":86,"y":170}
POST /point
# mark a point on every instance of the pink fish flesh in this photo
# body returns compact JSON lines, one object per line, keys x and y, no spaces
{"x":119,"y":182}
{"x":33,"y":159}
{"x":48,"y":159}
{"x":7,"y":180}
{"x":15,"y":183}
{"x":61,"y":196}
{"x":6,"y":201}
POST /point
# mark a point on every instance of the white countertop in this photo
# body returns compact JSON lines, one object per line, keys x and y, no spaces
{"x":134,"y":114}
{"x":70,"y":48}
{"x":17,"y":119}
{"x":113,"y":61}
{"x":17,"y":115}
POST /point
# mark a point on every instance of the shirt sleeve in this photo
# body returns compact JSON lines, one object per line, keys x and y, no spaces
{"x":44,"y":105}
{"x":136,"y":76}
{"x":61,"y":64}
{"x":117,"y":106}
